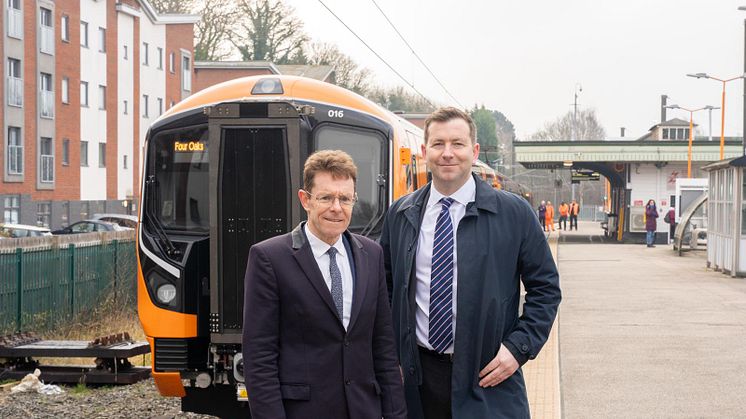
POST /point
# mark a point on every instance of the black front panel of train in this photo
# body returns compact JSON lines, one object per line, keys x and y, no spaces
{"x":255,"y":189}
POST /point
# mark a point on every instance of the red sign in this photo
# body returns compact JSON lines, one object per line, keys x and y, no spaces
{"x":638,"y":203}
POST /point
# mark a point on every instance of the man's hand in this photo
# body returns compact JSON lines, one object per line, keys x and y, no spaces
{"x":499,"y":369}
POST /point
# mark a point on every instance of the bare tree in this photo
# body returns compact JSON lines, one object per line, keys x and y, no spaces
{"x":398,"y":99}
{"x":348,"y":73}
{"x":267,"y":30}
{"x":586,"y":128}
{"x":173,"y":6}
{"x":213,"y":31}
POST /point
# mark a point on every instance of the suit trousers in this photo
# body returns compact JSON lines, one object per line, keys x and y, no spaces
{"x":435,"y":391}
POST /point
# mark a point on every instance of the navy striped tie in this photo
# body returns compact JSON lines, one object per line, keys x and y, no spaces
{"x":441,"y":281}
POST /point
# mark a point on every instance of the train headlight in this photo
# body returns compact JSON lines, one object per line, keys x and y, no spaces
{"x":268,"y":86}
{"x":166,"y":293}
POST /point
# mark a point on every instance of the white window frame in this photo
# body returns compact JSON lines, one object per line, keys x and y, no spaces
{"x":46,"y":95}
{"x":102,"y":39}
{"x":65,"y":151}
{"x":83,"y":153}
{"x":46,"y":160}
{"x":186,"y":72}
{"x":84,"y":94}
{"x":101,"y":97}
{"x":15,"y":151}
{"x":101,"y":154}
{"x":171,"y":62}
{"x":145,"y":53}
{"x":145,"y":112}
{"x":84,"y":34}
{"x":14,"y":82}
{"x":65,"y":28}
{"x":160,"y":58}
{"x":160,"y":106}
{"x":65,"y":90}
{"x":15,"y":19}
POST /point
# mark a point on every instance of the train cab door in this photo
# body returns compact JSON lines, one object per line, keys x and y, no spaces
{"x":253,"y":179}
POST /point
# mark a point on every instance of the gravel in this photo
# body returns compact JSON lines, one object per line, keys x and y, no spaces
{"x":139,"y":400}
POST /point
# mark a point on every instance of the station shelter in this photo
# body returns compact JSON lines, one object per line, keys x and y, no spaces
{"x":726,"y":231}
{"x":635,"y":170}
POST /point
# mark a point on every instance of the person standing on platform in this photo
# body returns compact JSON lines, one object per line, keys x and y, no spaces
{"x":670,"y":219}
{"x":574,"y":211}
{"x":651,"y":222}
{"x":549,"y":216}
{"x":542,"y":215}
{"x":456,"y":252}
{"x":317,"y":337}
{"x":564,"y":209}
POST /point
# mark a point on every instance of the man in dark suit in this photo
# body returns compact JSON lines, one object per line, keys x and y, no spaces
{"x":317,"y":338}
{"x":456,"y":252}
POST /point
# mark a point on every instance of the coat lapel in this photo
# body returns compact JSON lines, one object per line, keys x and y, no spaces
{"x":360,"y":256}
{"x":304,"y":256}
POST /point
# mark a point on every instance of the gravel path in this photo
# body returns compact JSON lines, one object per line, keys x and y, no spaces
{"x":139,"y":400}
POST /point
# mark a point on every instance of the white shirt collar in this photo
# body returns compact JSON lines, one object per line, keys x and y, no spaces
{"x":320,"y":247}
{"x":465,"y":194}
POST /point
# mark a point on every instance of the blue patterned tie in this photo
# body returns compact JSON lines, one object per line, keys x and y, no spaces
{"x":441,"y":281}
{"x":336,"y":281}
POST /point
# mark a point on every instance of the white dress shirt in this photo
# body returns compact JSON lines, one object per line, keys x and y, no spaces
{"x":424,"y":257}
{"x":319,"y":249}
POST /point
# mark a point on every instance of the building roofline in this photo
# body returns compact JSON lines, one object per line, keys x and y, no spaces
{"x":165,"y":19}
{"x":237,"y":65}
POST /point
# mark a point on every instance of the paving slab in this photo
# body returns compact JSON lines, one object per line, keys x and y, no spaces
{"x":647,"y":334}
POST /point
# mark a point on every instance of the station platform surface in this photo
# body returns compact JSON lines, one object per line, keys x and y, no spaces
{"x":641,"y":333}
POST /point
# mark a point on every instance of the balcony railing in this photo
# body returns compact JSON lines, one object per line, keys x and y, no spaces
{"x":47,"y":40}
{"x":47,"y":168}
{"x":46,"y":104}
{"x":15,"y":91}
{"x":15,"y":23}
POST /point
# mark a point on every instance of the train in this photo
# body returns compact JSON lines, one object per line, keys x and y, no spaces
{"x":499,"y":180}
{"x":220,"y":172}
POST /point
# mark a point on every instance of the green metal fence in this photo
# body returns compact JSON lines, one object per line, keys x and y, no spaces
{"x":39,"y":288}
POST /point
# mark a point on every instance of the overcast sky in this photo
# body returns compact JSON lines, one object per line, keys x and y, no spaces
{"x":524,"y":58}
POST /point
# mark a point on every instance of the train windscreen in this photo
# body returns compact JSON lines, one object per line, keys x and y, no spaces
{"x":366,"y":149}
{"x":181,"y":169}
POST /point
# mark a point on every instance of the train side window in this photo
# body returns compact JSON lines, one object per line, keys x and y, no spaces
{"x":367,"y":150}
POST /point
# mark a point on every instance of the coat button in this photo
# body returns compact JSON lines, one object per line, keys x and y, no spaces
{"x":348,"y":382}
{"x":411,"y":370}
{"x":524,"y":348}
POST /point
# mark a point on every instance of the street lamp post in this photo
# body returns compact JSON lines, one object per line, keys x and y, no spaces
{"x":722,"y":105}
{"x":691,"y":134}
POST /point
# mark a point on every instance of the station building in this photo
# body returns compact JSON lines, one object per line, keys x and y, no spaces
{"x":636,"y":169}
{"x":82,"y":82}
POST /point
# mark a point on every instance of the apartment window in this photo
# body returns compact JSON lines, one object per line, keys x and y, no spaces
{"x":65,"y":28}
{"x":84,"y":153}
{"x":102,"y":155}
{"x":160,"y":106}
{"x":125,"y":161}
{"x":65,"y":152}
{"x":85,"y":210}
{"x":46,"y":31}
{"x":12,"y":209}
{"x":144,"y":53}
{"x":171,"y":62}
{"x":15,"y":83}
{"x":125,"y":52}
{"x":101,"y":39}
{"x":46,"y":95}
{"x":160,"y":58}
{"x":65,"y":90}
{"x":84,"y":93}
{"x":125,"y":108}
{"x":46,"y":155}
{"x":144,"y":106}
{"x":43,"y":214}
{"x":102,"y":97}
{"x":15,"y":151}
{"x":15,"y":19}
{"x":186,"y":73}
{"x":84,"y":34}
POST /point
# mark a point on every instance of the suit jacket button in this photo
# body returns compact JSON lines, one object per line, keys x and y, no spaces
{"x":524,"y":348}
{"x":348,"y":382}
{"x":347,"y":342}
{"x":411,"y":370}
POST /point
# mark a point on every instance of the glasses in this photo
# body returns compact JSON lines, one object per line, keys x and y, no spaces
{"x":328,"y":199}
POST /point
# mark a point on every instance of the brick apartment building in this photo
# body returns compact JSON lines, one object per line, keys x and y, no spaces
{"x":83,"y":80}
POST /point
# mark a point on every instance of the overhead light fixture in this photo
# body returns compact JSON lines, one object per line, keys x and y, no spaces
{"x":268,"y":86}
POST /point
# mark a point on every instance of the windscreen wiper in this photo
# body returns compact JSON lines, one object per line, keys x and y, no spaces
{"x":381,"y":210}
{"x":162,"y":238}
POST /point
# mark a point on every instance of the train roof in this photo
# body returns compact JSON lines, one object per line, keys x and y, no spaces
{"x":294,"y":88}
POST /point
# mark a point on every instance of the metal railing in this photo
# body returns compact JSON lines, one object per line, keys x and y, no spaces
{"x":15,"y":91}
{"x":46,"y":103}
{"x":47,"y":40}
{"x":44,"y":285}
{"x":15,"y":23}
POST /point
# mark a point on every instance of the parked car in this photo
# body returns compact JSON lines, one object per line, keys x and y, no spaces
{"x":14,"y":231}
{"x":88,"y":226}
{"x":123,"y":220}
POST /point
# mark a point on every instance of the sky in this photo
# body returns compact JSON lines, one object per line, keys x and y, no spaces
{"x":528,"y":58}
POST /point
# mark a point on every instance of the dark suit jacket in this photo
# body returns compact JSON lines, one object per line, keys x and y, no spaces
{"x":298,"y":360}
{"x":500,"y":244}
